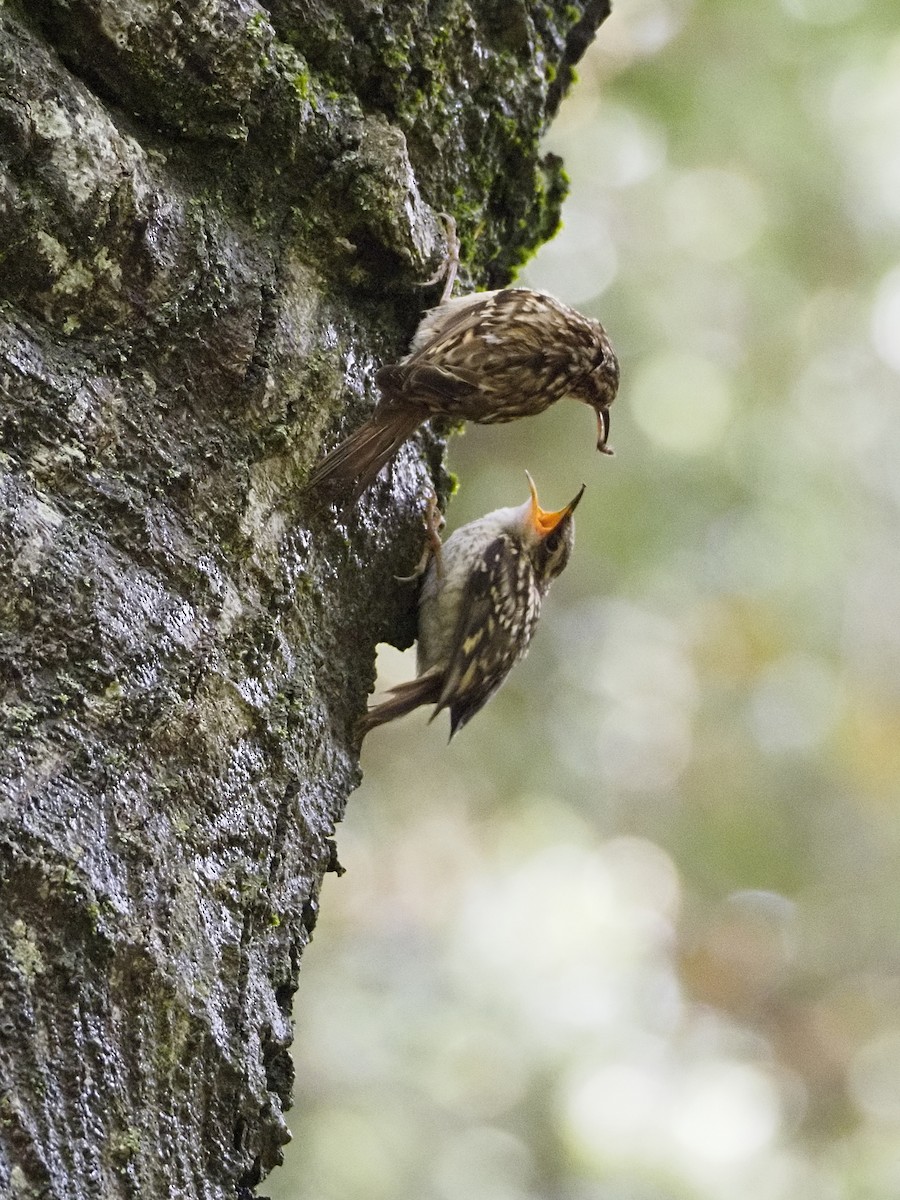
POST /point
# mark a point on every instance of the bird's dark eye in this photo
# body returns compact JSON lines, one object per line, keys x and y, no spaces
{"x":553,"y":540}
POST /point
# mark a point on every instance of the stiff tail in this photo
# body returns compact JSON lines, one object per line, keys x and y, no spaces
{"x":361,"y":456}
{"x":401,"y":700}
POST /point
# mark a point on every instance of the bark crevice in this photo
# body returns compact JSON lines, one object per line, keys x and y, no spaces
{"x":206,"y":249}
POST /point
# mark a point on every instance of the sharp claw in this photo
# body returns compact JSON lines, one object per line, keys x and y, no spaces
{"x":450,"y":265}
{"x":434,"y":523}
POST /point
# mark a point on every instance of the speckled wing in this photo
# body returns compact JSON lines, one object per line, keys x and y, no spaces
{"x":495,"y":356}
{"x":498,"y":615}
{"x":507,"y":346}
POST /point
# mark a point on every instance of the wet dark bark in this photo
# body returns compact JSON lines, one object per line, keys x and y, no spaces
{"x":214,"y":218}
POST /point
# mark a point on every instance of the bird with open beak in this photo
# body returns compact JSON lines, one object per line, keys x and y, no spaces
{"x":479,"y":607}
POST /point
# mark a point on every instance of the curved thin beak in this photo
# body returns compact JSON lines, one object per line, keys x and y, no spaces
{"x":603,"y":431}
{"x":545,"y":522}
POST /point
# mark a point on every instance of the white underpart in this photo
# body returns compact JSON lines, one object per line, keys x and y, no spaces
{"x":440,"y":600}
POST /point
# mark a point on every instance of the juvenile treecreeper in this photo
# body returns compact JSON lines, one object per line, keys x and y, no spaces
{"x":479,"y":607}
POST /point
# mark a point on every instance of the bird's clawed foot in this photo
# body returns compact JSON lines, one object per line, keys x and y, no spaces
{"x":450,"y":265}
{"x":433,"y":521}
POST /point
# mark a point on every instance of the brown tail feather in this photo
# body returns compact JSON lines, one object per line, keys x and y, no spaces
{"x":362,"y":455}
{"x":401,"y":700}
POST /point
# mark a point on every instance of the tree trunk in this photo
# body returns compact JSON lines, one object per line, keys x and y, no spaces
{"x":215,"y":218}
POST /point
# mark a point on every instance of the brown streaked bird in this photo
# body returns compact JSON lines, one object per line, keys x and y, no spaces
{"x":479,"y":607}
{"x":487,"y":357}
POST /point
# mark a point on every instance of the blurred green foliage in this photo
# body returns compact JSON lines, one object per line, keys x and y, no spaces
{"x":634,"y":935}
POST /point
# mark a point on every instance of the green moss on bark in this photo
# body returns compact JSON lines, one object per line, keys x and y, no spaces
{"x":216,"y":220}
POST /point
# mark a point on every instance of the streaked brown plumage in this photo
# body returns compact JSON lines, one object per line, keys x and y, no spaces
{"x":479,"y":607}
{"x":486,"y":357}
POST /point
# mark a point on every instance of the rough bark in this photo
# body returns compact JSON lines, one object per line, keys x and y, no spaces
{"x":214,"y":218}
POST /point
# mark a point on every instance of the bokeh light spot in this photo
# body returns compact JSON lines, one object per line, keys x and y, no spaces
{"x":727,"y":1112}
{"x":886,"y":319}
{"x":714,"y":214}
{"x":615,"y":1105}
{"x":822,"y":12}
{"x":682,"y":402}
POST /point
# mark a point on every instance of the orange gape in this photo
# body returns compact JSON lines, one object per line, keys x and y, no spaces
{"x":479,"y":607}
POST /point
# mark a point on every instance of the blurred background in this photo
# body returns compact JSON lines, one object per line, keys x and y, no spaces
{"x":635,"y":935}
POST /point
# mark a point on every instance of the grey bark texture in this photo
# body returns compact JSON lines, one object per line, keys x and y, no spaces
{"x":215,"y":218}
